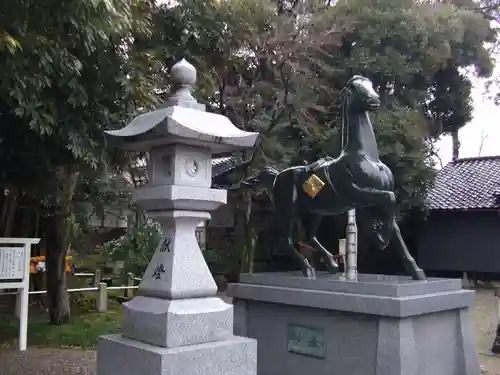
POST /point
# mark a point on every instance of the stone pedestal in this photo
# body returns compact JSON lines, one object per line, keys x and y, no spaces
{"x":118,"y":355}
{"x":378,"y":325}
{"x":166,"y":336}
{"x":176,"y":325}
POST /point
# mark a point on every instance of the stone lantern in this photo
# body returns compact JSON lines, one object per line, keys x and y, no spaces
{"x":176,"y":324}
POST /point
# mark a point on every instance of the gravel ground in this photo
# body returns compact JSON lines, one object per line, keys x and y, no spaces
{"x":78,"y":362}
{"x":48,"y":362}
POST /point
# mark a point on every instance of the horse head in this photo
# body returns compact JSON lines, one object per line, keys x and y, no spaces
{"x":363,"y":96}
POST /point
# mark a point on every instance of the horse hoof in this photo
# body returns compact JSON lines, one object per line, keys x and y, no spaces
{"x":309,"y":273}
{"x":333,"y":269}
{"x":383,"y":243}
{"x":419,"y":275}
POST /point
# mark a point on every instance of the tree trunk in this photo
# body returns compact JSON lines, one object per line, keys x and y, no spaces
{"x":9,"y":211}
{"x":244,"y":231}
{"x":26,"y":224}
{"x":455,"y":145}
{"x":58,"y":236}
{"x":5,"y":208}
{"x":239,"y":230}
{"x":37,"y":224}
{"x":251,"y":245}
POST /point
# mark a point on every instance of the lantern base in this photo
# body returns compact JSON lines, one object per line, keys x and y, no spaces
{"x":174,"y":323}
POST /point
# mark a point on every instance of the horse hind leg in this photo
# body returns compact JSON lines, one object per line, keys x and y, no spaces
{"x":383,"y":203}
{"x":285,"y":236}
{"x":409,"y":262}
{"x":311,"y":231}
{"x":386,"y":230}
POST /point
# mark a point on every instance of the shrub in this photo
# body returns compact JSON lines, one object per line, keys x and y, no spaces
{"x":135,"y":248}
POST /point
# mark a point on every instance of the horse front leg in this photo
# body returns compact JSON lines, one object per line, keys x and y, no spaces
{"x":307,"y":269}
{"x":286,"y":219}
{"x":312,"y":229}
{"x":409,"y":262}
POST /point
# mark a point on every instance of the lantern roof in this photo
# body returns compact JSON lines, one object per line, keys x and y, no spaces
{"x":181,"y":119}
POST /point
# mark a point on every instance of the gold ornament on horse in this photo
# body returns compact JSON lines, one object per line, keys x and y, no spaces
{"x":313,"y":185}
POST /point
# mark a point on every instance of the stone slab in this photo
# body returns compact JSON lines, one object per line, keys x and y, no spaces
{"x":434,"y":297}
{"x":117,"y":355}
{"x":172,"y":323}
{"x":379,"y":285}
{"x":359,"y":334}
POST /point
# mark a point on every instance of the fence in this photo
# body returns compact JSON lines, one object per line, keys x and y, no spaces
{"x":100,"y":287}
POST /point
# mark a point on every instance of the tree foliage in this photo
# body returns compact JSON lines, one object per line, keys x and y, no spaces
{"x":69,"y":71}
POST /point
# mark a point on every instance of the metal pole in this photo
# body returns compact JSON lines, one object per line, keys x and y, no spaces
{"x":351,"y":269}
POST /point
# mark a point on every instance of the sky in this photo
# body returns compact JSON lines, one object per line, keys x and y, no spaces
{"x":485,"y":125}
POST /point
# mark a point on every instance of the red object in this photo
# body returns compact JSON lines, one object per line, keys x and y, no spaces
{"x":306,"y":246}
{"x":339,"y":258}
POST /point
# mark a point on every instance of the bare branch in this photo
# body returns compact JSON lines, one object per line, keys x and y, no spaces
{"x":483,"y":138}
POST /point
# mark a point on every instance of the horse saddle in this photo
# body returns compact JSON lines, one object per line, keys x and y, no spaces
{"x":314,"y":184}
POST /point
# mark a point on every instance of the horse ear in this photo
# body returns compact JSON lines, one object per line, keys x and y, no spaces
{"x":353,"y":78}
{"x":356,"y":77}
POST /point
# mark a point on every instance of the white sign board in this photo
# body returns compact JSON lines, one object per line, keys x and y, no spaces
{"x":12,"y":263}
{"x":15,"y":274}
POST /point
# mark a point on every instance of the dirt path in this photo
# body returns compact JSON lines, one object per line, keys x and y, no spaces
{"x":78,"y":362}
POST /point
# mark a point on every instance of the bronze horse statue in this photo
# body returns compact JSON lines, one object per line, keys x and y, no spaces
{"x":329,"y":186}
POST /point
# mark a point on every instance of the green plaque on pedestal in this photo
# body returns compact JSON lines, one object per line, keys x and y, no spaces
{"x":304,"y":340}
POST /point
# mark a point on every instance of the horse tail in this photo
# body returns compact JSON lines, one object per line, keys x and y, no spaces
{"x":264,"y":180}
{"x":268,"y":176}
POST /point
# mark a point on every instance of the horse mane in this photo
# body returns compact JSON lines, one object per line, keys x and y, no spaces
{"x":345,"y":102}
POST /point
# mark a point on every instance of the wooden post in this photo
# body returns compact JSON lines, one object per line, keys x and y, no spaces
{"x":97,"y":278}
{"x":496,"y":341}
{"x":129,"y":292}
{"x":465,"y":281}
{"x":102,"y":297}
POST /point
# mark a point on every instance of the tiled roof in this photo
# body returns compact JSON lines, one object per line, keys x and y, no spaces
{"x":223,"y":164}
{"x":220,"y":165}
{"x":472,"y":183}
